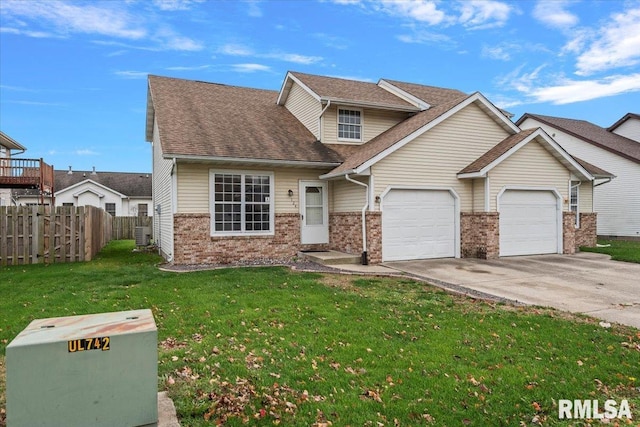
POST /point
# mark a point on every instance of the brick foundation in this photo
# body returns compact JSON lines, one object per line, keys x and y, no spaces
{"x":345,"y":234}
{"x":480,"y":235}
{"x":193,"y":243}
{"x":586,"y":235}
{"x":568,"y":233}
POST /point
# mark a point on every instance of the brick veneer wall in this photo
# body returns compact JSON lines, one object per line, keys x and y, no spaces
{"x":480,"y":235}
{"x":587,"y":234}
{"x":345,"y":234}
{"x":193,"y":243}
{"x":568,"y":233}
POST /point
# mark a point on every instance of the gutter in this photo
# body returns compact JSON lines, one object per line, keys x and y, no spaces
{"x":364,"y":221}
{"x":320,"y":120}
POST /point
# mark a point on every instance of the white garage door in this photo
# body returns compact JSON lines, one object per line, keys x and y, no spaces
{"x":418,"y":224}
{"x":528,"y":222}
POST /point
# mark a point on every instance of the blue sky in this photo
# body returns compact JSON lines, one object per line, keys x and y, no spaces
{"x":73,"y":73}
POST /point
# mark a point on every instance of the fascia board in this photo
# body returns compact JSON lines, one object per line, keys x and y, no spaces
{"x":390,"y":87}
{"x":90,"y":181}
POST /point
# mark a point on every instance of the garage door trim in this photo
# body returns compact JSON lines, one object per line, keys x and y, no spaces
{"x":559,"y":228}
{"x":456,"y":206}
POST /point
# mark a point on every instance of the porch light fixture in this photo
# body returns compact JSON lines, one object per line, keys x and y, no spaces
{"x":377,"y":199}
{"x":290,"y":193}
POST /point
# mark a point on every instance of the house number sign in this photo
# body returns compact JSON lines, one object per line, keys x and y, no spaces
{"x":83,"y":344}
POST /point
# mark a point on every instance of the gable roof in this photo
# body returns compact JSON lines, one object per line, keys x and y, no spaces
{"x":404,"y":132}
{"x":622,"y":120}
{"x":126,"y":183}
{"x":592,"y":134}
{"x":10,"y":143}
{"x":207,"y":121}
{"x":510,"y":145}
{"x":344,"y":91}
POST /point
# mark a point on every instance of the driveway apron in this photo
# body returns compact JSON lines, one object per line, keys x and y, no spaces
{"x":585,"y":283}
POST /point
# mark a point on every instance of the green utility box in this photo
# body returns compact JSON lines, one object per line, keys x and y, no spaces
{"x":93,"y":370}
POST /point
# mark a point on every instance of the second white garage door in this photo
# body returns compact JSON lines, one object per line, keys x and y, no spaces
{"x":418,"y":224}
{"x":528,"y":222}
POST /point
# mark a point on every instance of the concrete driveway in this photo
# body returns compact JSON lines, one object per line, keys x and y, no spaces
{"x":586,"y":283}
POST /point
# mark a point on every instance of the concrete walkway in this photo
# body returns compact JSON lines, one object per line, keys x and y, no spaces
{"x":585,"y":283}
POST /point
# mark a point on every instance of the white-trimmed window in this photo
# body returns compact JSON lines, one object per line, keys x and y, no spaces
{"x":349,"y":124}
{"x":241,"y":202}
{"x":574,"y":200}
{"x":110,"y":208}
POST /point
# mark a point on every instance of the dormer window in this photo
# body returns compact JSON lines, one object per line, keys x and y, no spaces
{"x":349,"y":125}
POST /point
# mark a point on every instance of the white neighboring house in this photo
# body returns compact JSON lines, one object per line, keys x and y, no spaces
{"x":6,"y":145}
{"x":119,"y":193}
{"x":616,"y":149}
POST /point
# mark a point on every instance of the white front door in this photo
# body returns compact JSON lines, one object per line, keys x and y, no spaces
{"x":314,"y":212}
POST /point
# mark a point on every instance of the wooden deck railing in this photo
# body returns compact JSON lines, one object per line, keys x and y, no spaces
{"x":26,"y":173}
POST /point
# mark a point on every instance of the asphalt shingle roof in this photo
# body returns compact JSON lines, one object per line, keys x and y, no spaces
{"x":130,"y":184}
{"x":592,"y":134}
{"x":199,"y":119}
{"x":351,"y":90}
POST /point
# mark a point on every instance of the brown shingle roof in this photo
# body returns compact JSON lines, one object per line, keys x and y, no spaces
{"x":198,"y":119}
{"x":592,"y":134}
{"x":130,"y":184}
{"x":497,"y":151}
{"x":351,"y":91}
{"x":430,"y":94}
{"x":393,"y":135}
{"x":597,"y":172}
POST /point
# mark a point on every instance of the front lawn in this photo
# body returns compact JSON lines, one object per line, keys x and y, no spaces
{"x":266,"y":345}
{"x":620,"y":250}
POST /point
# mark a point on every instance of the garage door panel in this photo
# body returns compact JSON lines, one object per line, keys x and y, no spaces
{"x":528,"y":222}
{"x":418,"y":224}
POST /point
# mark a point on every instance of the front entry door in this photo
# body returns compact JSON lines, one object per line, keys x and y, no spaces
{"x":314,"y":212}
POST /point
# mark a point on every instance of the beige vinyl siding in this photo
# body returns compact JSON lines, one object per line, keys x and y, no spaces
{"x":347,"y":196}
{"x":617,"y":203}
{"x":304,"y":107}
{"x":193,"y":186}
{"x":478,"y":195}
{"x":585,"y":197}
{"x":162,"y":197}
{"x":435,"y":157}
{"x":374,"y":122}
{"x":531,"y":166}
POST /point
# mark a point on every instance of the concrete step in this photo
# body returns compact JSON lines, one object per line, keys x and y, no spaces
{"x":331,"y":257}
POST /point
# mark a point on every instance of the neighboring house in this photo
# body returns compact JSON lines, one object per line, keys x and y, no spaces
{"x":119,"y":193}
{"x":6,"y":145}
{"x":617,"y":149}
{"x":392,"y":171}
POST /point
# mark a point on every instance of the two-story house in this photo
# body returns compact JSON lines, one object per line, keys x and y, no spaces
{"x":617,"y":149}
{"x":389,"y":170}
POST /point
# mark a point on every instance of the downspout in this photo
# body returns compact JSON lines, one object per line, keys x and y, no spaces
{"x":364,"y":220}
{"x":320,"y":120}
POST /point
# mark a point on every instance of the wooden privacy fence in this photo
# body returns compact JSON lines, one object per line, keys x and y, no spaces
{"x":39,"y":234}
{"x":124,"y":227}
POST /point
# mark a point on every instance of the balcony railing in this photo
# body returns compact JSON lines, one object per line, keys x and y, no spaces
{"x":26,"y":173}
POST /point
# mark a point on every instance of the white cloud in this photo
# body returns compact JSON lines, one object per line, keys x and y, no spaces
{"x":616,"y":45}
{"x":482,"y":14}
{"x":28,"y":33}
{"x":254,"y":10}
{"x":293,"y":57}
{"x":427,"y":37}
{"x":78,"y":18}
{"x":194,"y":68}
{"x":175,"y":5}
{"x":173,"y":41}
{"x":553,"y":13}
{"x":132,"y":74}
{"x":250,"y":68}
{"x":419,"y":10}
{"x":501,"y":52}
{"x":235,"y":50}
{"x":569,"y":91}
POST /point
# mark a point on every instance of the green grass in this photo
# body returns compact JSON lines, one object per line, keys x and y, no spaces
{"x":270,"y":346}
{"x":620,"y":250}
